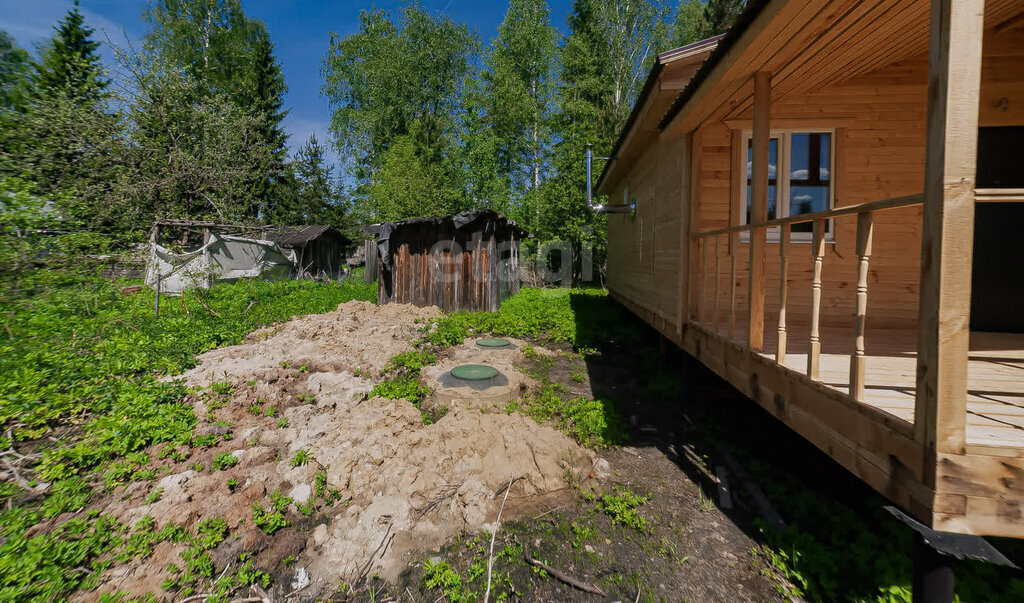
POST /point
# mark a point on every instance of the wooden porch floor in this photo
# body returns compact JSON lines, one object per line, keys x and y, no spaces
{"x":995,"y":397}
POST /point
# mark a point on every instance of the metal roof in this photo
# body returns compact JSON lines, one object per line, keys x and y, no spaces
{"x":290,"y":237}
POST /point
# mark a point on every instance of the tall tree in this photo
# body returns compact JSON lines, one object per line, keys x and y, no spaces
{"x":228,"y":53}
{"x":64,"y":136}
{"x":586,"y":115}
{"x":268,"y":89}
{"x":635,"y":32}
{"x":70,"y":65}
{"x":15,"y":70}
{"x":519,"y":88}
{"x":400,"y":83}
{"x":311,"y":198}
{"x":700,"y":19}
{"x":192,"y":151}
{"x":213,"y":40}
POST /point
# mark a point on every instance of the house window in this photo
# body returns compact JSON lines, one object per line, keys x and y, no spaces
{"x":799,"y":179}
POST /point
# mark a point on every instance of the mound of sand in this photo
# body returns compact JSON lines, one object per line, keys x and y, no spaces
{"x":404,"y":487}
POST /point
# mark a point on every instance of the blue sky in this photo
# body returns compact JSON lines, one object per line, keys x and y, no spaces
{"x":300,"y":30}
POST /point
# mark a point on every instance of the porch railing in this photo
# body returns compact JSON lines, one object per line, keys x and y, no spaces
{"x":709,"y":240}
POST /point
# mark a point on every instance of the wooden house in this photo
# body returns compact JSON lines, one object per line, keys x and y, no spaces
{"x":468,"y":261}
{"x":824,"y":216}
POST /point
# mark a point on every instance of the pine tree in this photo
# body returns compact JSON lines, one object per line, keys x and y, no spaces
{"x":721,"y":14}
{"x":267,"y":100}
{"x":67,"y":134}
{"x":700,"y":19}
{"x":70,"y":64}
{"x":310,"y":197}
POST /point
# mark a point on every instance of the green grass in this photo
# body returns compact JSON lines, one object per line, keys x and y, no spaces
{"x":584,"y":318}
{"x":82,"y":362}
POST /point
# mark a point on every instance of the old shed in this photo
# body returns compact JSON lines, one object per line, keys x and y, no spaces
{"x":469,"y":261}
{"x":319,"y":251}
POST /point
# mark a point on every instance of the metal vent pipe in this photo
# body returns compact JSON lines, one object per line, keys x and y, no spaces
{"x":601,"y":209}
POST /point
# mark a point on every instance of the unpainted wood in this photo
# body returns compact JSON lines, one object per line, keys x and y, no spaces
{"x":759,"y":209}
{"x":780,"y":345}
{"x":865,"y":229}
{"x":818,"y":253}
{"x":954,"y":84}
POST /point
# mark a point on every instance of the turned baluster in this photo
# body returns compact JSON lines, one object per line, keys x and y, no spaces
{"x":818,"y":253}
{"x":865,"y":227}
{"x":780,"y":349}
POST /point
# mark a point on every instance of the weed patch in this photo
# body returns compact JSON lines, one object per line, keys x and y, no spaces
{"x":82,"y":362}
{"x":623,"y":507}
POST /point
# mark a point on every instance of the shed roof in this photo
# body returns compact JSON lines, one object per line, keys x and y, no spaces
{"x":457,"y":221}
{"x":291,"y":237}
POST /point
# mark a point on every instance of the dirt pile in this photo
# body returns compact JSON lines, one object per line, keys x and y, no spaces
{"x":393,"y":486}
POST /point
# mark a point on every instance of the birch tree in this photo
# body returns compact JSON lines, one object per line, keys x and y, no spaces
{"x":636,"y":31}
{"x":519,"y":85}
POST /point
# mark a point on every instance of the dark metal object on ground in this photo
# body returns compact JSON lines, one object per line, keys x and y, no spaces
{"x":474,"y":372}
{"x":489,"y":342}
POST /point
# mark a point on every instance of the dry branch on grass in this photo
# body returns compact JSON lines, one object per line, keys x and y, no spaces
{"x":494,"y":534}
{"x":563,"y":577}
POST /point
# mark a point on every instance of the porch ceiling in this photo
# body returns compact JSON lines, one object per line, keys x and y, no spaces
{"x":809,"y":44}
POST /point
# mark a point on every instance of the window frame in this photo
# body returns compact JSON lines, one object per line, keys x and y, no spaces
{"x":785,"y":136}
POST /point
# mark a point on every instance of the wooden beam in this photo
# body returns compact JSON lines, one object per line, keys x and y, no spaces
{"x":794,"y":123}
{"x":954,"y":84}
{"x":759,"y":208}
{"x":684,"y":238}
{"x":692,"y":211}
{"x":737,"y":193}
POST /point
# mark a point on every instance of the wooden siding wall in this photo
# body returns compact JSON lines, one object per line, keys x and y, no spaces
{"x":643,"y":253}
{"x":324,"y":255}
{"x":879,"y":120}
{"x":468,"y":278}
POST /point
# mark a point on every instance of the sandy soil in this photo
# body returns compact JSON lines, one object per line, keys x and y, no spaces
{"x":403,"y":487}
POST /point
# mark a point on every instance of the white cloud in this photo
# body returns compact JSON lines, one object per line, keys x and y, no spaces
{"x":772,"y":169}
{"x":803,"y":198}
{"x":32,"y":22}
{"x":802,"y":174}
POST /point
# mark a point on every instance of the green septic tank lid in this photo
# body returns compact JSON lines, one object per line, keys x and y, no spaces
{"x":489,"y":342}
{"x":474,"y":372}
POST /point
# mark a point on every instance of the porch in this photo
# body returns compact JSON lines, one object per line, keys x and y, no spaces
{"x":995,"y":379}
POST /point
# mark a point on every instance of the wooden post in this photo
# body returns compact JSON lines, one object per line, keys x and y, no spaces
{"x":714,"y":307}
{"x":759,"y":209}
{"x":685,"y":200}
{"x":693,"y":220}
{"x":738,"y":187}
{"x":780,"y":349}
{"x":370,"y":263}
{"x":734,"y":241}
{"x":705,"y":285}
{"x":156,"y":299}
{"x":818,"y":253}
{"x":947,"y":240}
{"x":865,"y":227}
